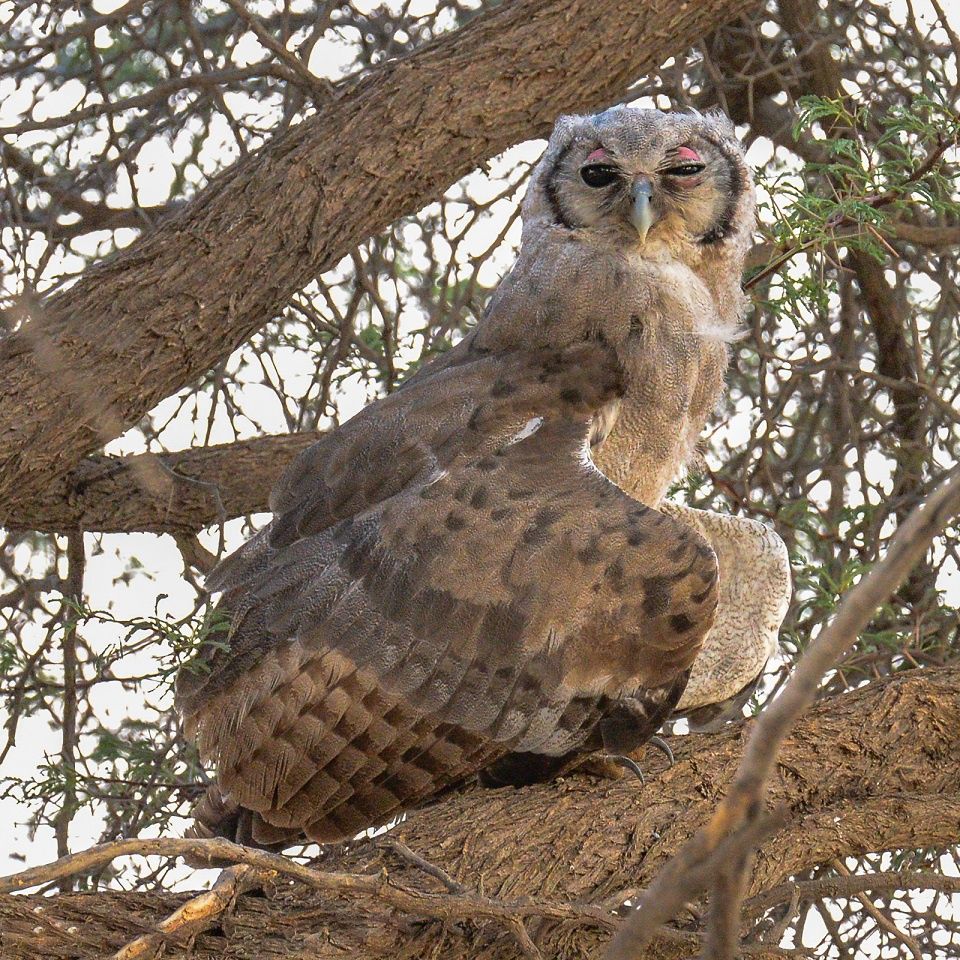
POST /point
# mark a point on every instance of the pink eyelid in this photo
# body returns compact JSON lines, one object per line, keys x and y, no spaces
{"x":598,"y":156}
{"x":687,"y":153}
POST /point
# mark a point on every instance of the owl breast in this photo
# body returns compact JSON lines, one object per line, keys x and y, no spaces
{"x":677,"y":350}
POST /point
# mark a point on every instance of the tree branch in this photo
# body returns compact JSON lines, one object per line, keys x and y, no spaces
{"x":95,"y":216}
{"x":850,"y":779}
{"x":149,"y":321}
{"x":195,"y":915}
{"x":191,"y":489}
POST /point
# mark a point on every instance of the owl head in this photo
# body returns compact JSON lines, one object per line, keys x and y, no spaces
{"x":661,"y":185}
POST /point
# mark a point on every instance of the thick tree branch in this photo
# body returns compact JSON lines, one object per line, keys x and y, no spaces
{"x":136,"y":328}
{"x":190,"y":489}
{"x":875,"y":769}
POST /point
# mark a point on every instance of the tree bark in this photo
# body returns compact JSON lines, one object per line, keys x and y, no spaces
{"x":872,"y":770}
{"x":187,"y":490}
{"x":134,"y":329}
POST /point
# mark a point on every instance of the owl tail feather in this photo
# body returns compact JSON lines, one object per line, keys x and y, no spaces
{"x":217,"y":816}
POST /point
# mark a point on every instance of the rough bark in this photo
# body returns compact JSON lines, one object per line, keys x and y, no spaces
{"x":871,"y":770}
{"x":151,"y":320}
{"x":188,"y":489}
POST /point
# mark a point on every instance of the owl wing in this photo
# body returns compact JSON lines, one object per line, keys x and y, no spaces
{"x":753,"y":598}
{"x":448,"y":579}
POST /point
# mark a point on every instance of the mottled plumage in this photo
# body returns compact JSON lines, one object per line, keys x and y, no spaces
{"x":755,"y":589}
{"x":449,"y":585}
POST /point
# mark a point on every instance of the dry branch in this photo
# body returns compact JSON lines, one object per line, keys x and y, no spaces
{"x":151,"y":320}
{"x":463,"y":905}
{"x":192,"y":488}
{"x":875,"y":769}
{"x":196,"y":915}
{"x":744,"y":803}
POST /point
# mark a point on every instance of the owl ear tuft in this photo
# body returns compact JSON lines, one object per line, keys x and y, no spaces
{"x":563,"y":129}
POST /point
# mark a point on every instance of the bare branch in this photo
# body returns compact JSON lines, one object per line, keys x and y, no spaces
{"x":195,"y":915}
{"x":447,"y":906}
{"x":192,"y":488}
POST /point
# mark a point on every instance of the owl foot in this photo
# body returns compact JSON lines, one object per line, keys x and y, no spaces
{"x":629,"y":763}
{"x":609,"y":765}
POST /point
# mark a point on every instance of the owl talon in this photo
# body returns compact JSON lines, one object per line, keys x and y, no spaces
{"x":663,"y":747}
{"x":629,"y":763}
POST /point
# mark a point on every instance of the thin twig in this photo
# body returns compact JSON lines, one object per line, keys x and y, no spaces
{"x":297,"y":67}
{"x":843,"y":887}
{"x":431,"y":869}
{"x":882,"y":919}
{"x":839,"y":219}
{"x":76,"y":560}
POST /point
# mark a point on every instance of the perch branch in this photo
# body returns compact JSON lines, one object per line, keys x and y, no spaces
{"x":743,"y":802}
{"x":575,"y":841}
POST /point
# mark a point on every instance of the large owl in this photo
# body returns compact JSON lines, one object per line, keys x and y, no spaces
{"x":471,"y":574}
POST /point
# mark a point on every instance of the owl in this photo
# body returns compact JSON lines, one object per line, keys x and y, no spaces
{"x":472,"y":575}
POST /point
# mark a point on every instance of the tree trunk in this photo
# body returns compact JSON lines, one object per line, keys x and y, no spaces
{"x":872,"y":770}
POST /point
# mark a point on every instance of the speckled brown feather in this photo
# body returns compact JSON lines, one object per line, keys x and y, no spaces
{"x":501,"y":600}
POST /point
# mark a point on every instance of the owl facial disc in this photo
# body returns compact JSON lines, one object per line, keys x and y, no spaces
{"x":653,"y":184}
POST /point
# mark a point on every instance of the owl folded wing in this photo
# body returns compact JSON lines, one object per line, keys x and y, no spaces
{"x":753,"y":597}
{"x":447,"y":579}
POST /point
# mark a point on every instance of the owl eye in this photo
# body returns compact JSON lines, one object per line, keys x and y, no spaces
{"x":598,"y":174}
{"x":686,"y":170}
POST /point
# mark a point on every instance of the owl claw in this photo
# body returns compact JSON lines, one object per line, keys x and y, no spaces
{"x":629,"y":763}
{"x":663,"y":747}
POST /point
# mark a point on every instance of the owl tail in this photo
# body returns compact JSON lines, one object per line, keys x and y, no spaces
{"x":218,"y":816}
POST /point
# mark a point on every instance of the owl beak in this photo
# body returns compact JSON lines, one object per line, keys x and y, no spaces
{"x":641,"y":212}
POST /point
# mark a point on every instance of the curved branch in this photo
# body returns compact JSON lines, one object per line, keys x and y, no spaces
{"x":149,"y":321}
